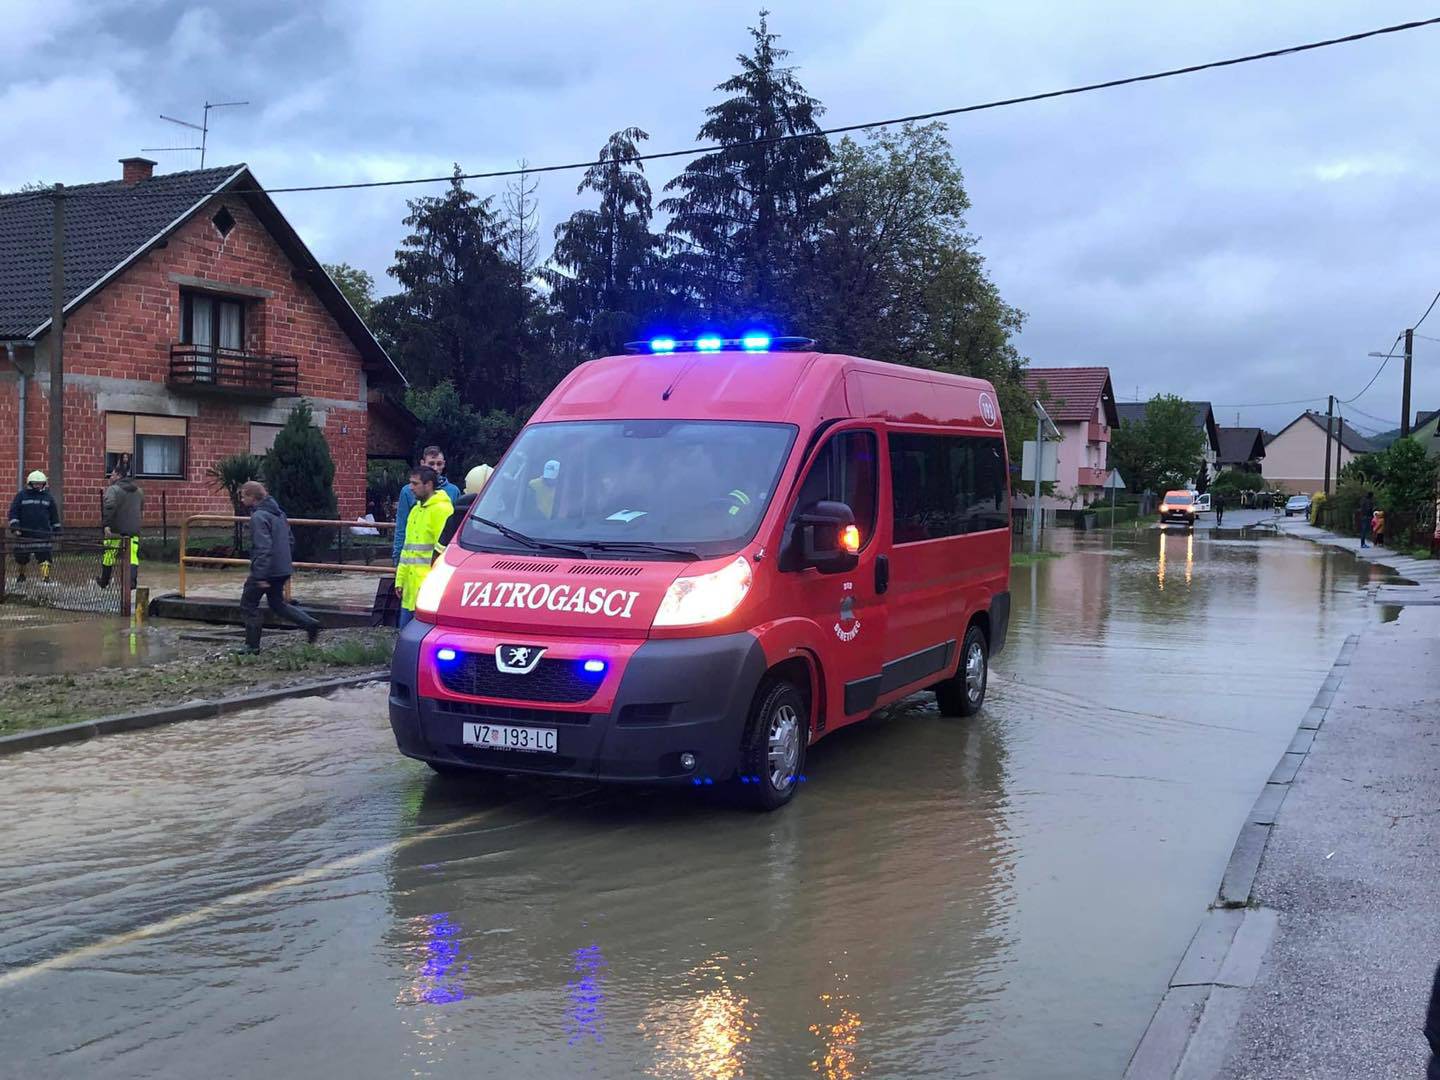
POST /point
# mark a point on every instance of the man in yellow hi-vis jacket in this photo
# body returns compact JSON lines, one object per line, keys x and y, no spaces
{"x":422,"y":537}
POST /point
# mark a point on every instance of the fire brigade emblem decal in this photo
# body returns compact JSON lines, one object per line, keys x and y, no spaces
{"x":848,"y":628}
{"x":517,"y":659}
{"x":987,"y":410}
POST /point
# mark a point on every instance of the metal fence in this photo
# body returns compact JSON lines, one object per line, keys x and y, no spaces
{"x":68,"y":572}
{"x":328,"y":539}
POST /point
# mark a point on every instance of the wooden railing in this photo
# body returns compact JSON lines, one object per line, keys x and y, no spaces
{"x":186,"y":559}
{"x":212,"y":369}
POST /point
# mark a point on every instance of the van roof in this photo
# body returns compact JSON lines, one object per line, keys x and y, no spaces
{"x":802,"y":388}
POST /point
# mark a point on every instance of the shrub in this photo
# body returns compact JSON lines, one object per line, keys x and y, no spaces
{"x":384,"y":481}
{"x":228,"y":475}
{"x":300,"y":473}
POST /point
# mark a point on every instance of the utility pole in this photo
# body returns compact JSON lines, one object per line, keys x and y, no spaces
{"x":57,"y":348}
{"x":1405,"y":386}
{"x":1039,"y":469}
{"x":1329,"y":429}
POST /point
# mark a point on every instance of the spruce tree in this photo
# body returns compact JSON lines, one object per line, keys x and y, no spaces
{"x":300,"y":474}
{"x":602,"y":276}
{"x":744,"y":217}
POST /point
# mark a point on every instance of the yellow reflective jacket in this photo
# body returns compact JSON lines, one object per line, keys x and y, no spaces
{"x":422,"y":544}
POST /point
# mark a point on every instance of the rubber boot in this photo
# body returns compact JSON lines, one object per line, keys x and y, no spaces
{"x":104,"y":579}
{"x":253,"y":623}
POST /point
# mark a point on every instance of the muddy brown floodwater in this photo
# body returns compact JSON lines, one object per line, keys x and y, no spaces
{"x":279,"y":894}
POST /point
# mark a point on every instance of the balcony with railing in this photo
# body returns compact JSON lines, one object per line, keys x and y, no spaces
{"x":1097,"y":432}
{"x":208,"y":369}
{"x":1091,"y":477}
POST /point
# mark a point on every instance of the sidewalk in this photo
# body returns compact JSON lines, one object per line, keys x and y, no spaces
{"x":1319,"y":964}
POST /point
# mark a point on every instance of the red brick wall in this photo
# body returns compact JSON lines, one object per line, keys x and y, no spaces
{"x":126,"y":330}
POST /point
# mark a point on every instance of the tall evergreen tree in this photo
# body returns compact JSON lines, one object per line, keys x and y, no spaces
{"x":300,"y":473}
{"x":743,"y":216}
{"x":459,"y":314}
{"x":603,"y":271}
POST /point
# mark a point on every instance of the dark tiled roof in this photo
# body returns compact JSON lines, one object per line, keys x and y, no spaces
{"x":1073,"y":392}
{"x":1132,"y":412}
{"x":1423,"y":418}
{"x":1238,"y":444}
{"x":1347,"y":436}
{"x":105,"y":224}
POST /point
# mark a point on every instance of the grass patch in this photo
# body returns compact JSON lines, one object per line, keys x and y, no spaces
{"x":206,"y":672}
{"x":1420,"y":553}
{"x":1025,"y":558}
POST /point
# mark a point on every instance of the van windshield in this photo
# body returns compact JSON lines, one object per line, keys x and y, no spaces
{"x":693,"y":486}
{"x":1179,"y":498}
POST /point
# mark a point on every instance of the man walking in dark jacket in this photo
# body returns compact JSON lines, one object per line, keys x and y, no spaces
{"x":35,"y":520}
{"x":270,"y":567}
{"x":1367,"y":511}
{"x":121,"y":510}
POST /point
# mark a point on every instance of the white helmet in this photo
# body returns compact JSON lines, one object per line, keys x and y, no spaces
{"x":36,"y":477}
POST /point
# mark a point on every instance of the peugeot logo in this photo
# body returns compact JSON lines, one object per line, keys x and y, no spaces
{"x":518,"y":659}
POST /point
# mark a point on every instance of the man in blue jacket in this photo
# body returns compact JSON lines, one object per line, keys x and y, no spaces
{"x":434,"y":457}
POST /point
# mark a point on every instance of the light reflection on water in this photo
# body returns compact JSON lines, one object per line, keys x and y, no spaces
{"x":704,"y":1034}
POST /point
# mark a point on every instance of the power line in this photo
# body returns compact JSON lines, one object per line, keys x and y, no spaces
{"x":1267,"y":404}
{"x":936,"y":114}
{"x":1427,"y":312}
{"x":1372,"y":416}
{"x":1388,"y":357}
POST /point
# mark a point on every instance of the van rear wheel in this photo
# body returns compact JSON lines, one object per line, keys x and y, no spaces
{"x":772,"y":753}
{"x":964,"y":692}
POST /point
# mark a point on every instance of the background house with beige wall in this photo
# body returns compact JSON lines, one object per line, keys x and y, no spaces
{"x":1295,"y":458}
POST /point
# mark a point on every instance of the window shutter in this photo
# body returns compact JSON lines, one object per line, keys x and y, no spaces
{"x":160,"y":425}
{"x":119,"y":433}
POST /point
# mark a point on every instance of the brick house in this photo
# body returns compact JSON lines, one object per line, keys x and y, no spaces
{"x":195,"y":317}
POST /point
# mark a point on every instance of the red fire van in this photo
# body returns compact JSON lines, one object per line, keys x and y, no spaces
{"x":698,"y":559}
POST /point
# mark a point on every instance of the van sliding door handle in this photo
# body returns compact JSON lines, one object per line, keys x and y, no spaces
{"x":882,"y":573}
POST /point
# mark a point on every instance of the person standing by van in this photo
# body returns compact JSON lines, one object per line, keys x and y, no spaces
{"x":35,"y":521}
{"x":475,"y":481}
{"x":121,"y":511}
{"x":270,"y":567}
{"x":432,"y":457}
{"x":421,"y":543}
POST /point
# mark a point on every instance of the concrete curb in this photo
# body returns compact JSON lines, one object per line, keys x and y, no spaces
{"x":1188,"y":1035}
{"x":191,"y":710}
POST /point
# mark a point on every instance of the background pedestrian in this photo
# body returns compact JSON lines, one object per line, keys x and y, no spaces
{"x":475,"y":481}
{"x":421,"y":543}
{"x":1367,"y":509}
{"x":35,"y":521}
{"x":121,"y":511}
{"x":270,"y":567}
{"x":434,"y":458}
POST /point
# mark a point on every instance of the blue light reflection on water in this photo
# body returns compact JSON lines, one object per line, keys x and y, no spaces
{"x":442,"y":951}
{"x":587,"y":996}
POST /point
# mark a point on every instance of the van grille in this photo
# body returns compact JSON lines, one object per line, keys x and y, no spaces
{"x":508,"y":714}
{"x":476,"y":674}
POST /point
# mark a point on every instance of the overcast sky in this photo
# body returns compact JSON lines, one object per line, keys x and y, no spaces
{"x":1243,"y":236}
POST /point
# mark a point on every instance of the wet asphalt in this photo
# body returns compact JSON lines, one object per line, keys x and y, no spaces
{"x":279,"y":893}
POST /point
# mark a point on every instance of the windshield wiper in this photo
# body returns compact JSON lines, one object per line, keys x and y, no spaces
{"x":530,"y":541}
{"x":640,"y":545}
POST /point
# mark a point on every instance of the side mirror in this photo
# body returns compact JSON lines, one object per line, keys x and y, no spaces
{"x":829,"y":541}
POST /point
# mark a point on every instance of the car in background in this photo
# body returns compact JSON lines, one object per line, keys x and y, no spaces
{"x":1297,"y":504}
{"x":1178,"y":508}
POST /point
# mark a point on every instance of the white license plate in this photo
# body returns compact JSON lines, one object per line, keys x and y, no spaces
{"x":509,"y":737}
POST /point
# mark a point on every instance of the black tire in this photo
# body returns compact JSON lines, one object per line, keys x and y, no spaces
{"x":769,"y":775}
{"x":959,"y":695}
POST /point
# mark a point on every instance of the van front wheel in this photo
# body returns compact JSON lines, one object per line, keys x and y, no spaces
{"x":772,"y":755}
{"x":964,"y":692}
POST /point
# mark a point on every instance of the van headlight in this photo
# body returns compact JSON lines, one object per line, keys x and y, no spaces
{"x":432,"y":589}
{"x":705,"y":598}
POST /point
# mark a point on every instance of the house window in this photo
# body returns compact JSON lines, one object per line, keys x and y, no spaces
{"x":262,"y":437}
{"x":153,"y":446}
{"x":212,"y":321}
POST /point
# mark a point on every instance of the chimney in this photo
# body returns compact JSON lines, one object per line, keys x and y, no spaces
{"x":136,"y":169}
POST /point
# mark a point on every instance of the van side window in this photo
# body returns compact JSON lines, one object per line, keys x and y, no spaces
{"x":946,"y":485}
{"x":845,"y":470}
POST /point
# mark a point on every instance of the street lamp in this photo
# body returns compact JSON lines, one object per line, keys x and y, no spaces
{"x":1405,"y":384}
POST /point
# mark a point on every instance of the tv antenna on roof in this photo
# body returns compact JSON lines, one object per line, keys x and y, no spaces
{"x":203,"y":127}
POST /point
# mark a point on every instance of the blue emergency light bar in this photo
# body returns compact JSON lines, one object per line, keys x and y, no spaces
{"x":755,"y":341}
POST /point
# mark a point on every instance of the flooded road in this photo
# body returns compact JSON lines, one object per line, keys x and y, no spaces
{"x":279,"y":893}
